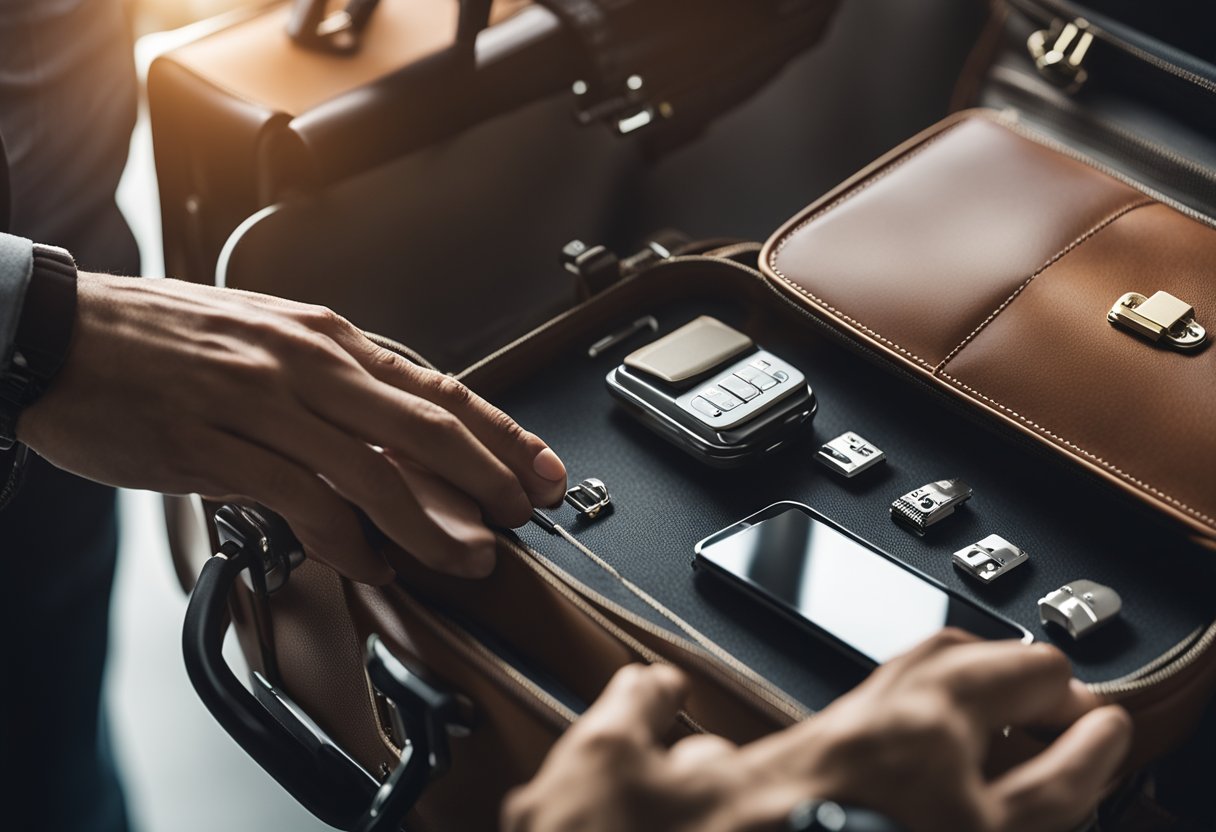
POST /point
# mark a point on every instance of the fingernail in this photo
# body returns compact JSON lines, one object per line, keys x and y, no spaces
{"x":549,"y":466}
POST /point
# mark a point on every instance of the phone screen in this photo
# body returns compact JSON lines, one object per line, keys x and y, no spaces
{"x":840,"y":586}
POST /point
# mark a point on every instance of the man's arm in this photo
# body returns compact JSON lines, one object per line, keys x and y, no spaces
{"x":910,"y":742}
{"x":182,"y":388}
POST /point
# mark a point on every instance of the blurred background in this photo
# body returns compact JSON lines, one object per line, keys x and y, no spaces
{"x":885,"y":70}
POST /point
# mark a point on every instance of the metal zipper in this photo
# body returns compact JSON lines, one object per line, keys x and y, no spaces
{"x":1033,"y":135}
{"x":574,"y":590}
{"x":1158,"y":673}
{"x":1055,"y":7}
{"x":1133,"y":145}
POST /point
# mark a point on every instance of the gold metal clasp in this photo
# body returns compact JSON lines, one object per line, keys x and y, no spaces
{"x":1162,"y":318}
{"x":1059,"y":52}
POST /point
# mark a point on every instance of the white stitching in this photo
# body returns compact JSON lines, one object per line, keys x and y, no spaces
{"x":937,"y":371}
{"x":1126,"y":209}
{"x":1109,"y":466}
{"x":840,"y":200}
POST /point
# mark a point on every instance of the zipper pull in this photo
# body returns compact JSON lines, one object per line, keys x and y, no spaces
{"x":1059,"y":53}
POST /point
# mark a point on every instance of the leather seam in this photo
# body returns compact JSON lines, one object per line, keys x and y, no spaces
{"x":836,"y":203}
{"x":1088,"y":454}
{"x":1051,"y":261}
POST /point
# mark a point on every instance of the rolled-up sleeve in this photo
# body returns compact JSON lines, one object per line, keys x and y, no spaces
{"x":16,"y":266}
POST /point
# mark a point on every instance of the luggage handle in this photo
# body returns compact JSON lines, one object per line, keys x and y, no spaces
{"x":277,"y":732}
{"x":341,"y":33}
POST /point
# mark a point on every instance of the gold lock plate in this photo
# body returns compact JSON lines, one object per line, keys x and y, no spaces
{"x":1161,"y":318}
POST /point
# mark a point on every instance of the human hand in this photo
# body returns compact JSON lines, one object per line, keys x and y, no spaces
{"x":183,"y":388}
{"x":910,"y":742}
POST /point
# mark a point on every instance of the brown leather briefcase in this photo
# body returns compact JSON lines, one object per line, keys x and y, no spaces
{"x":950,"y":303}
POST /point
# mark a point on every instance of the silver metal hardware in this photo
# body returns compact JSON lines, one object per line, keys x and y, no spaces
{"x":1161,"y":318}
{"x":590,"y":497}
{"x":1059,"y":53}
{"x":989,"y":558}
{"x":849,"y":454}
{"x":610,"y":341}
{"x":1080,"y":607}
{"x":930,"y":504}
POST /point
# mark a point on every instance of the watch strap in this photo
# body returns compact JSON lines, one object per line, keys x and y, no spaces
{"x":42,"y":338}
{"x":49,"y":313}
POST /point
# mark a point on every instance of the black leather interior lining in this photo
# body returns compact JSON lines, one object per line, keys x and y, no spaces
{"x":665,"y":501}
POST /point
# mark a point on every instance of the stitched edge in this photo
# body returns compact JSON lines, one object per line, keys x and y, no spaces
{"x":835,"y":203}
{"x":1055,"y":258}
{"x":1089,"y":455}
{"x":937,"y":371}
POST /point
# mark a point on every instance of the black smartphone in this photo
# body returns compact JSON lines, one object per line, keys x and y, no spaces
{"x":838,"y":586}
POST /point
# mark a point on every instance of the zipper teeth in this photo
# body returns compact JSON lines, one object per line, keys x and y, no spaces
{"x":1137,"y":52}
{"x":1134,"y":682}
{"x":1028,"y":132}
{"x":707,"y":644}
{"x":575,"y":590}
{"x":1015,"y":80}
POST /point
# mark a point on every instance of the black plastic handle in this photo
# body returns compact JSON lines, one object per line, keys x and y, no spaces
{"x":274,"y":730}
{"x":319,"y":778}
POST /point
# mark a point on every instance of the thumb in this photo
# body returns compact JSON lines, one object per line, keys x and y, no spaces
{"x":639,"y":704}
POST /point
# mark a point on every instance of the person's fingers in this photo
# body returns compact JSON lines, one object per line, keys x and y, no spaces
{"x":637,"y":707}
{"x":538,"y":468}
{"x":382,"y":415}
{"x":325,"y":524}
{"x":1002,"y":683}
{"x":436,"y":523}
{"x":1060,"y":787}
{"x":700,"y":749}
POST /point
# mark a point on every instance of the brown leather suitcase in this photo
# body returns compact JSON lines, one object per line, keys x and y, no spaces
{"x":949,"y":302}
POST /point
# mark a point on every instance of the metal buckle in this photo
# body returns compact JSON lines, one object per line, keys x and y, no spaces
{"x":931,"y":503}
{"x":1080,"y":607}
{"x":1161,"y":318}
{"x":989,"y":558}
{"x":1060,"y":62}
{"x":590,"y":497}
{"x":341,"y":33}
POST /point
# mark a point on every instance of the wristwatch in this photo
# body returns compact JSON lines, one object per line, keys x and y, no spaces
{"x":44,"y":333}
{"x":829,"y":816}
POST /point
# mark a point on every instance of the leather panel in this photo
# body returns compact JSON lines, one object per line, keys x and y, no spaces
{"x":908,"y":255}
{"x":1142,"y":412}
{"x":256,"y":61}
{"x":1028,"y":211}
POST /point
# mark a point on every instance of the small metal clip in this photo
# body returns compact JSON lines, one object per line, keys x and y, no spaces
{"x":849,"y":454}
{"x":1080,"y":607}
{"x":989,"y":558}
{"x":930,"y":504}
{"x":1162,"y":318}
{"x":590,"y":497}
{"x":1060,"y":59}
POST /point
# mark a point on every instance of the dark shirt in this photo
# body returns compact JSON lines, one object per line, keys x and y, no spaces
{"x":67,"y":106}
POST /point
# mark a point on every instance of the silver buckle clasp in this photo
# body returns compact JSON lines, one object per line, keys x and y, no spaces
{"x":590,"y":497}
